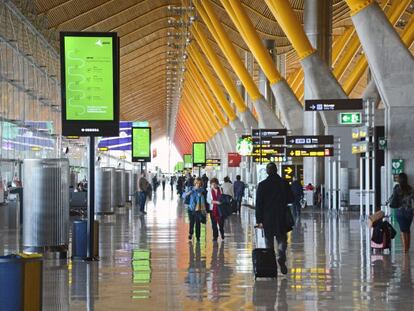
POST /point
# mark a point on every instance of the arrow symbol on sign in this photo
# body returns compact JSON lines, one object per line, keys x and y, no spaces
{"x":345,"y":118}
{"x":312,"y":107}
{"x":289,"y":170}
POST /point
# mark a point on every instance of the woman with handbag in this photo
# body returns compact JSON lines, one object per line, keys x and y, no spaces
{"x":196,"y":208}
{"x":217,"y":216}
{"x":403,"y":199}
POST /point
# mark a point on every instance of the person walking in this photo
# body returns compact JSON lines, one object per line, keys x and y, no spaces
{"x":297,"y":190}
{"x":163,"y":180}
{"x":205,"y":181}
{"x":196,"y":208}
{"x":228,"y":187}
{"x":272,"y":212}
{"x":214,"y":200}
{"x":143,"y":187}
{"x":172,"y":182}
{"x":238,"y":189}
{"x":403,"y":200}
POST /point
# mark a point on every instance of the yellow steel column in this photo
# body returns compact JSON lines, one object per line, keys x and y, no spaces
{"x":216,"y":29}
{"x":214,"y":86}
{"x":291,"y":26}
{"x":249,"y":34}
{"x":203,"y":105}
{"x":189,"y":106}
{"x":199,"y":81}
{"x":358,"y":5}
{"x":218,"y":67}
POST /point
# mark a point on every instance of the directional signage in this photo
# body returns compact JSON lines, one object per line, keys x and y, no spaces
{"x":397,"y":166}
{"x":361,"y":132}
{"x":349,"y":118}
{"x":333,"y":104}
{"x":267,"y":145}
{"x":310,"y":140}
{"x":361,"y":147}
{"x":213,"y":162}
{"x":310,"y":152}
{"x":299,"y":172}
{"x":288,"y":171}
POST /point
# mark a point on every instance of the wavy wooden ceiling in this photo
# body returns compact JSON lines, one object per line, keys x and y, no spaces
{"x":143,"y":28}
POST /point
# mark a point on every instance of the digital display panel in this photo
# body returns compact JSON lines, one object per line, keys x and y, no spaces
{"x":188,"y":161}
{"x":90,"y":84}
{"x":141,"y":144}
{"x":199,"y":154}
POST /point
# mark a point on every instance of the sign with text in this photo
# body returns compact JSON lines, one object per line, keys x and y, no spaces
{"x":89,"y":83}
{"x":268,"y":145}
{"x":199,"y":154}
{"x":234,"y":159}
{"x":310,"y":140}
{"x":349,"y":118}
{"x":213,"y":162}
{"x":361,"y":147}
{"x":288,"y":172}
{"x":361,"y":132}
{"x":188,"y":161}
{"x":333,"y":104}
{"x":310,"y":152}
{"x":141,"y":144}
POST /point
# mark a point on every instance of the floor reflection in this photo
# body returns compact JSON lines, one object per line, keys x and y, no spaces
{"x":147,"y":263}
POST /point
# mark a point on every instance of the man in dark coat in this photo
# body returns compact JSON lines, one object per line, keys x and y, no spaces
{"x":297,"y":190}
{"x":272,"y":198}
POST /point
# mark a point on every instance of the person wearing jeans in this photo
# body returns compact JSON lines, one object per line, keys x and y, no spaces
{"x":196,"y":208}
{"x":272,"y":198}
{"x":143,"y":185}
{"x":217,"y":220}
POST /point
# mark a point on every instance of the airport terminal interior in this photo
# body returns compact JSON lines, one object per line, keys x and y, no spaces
{"x":206,"y":154}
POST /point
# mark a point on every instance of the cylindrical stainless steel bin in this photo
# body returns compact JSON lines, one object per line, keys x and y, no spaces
{"x":46,"y":204}
{"x":103,"y":191}
{"x":119,"y":188}
{"x":128,"y":176}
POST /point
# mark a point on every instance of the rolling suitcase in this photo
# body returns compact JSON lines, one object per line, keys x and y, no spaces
{"x":264,"y":259}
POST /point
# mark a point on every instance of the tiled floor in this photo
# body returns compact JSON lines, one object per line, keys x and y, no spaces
{"x":147,"y":263}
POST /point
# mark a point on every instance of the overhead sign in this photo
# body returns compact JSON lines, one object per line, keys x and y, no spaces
{"x":299,"y":174}
{"x":397,"y":166}
{"x":349,"y":118}
{"x":199,"y":154}
{"x":244,"y":145}
{"x":234,"y":159}
{"x":89,"y":83}
{"x":361,"y":132}
{"x":213,"y":162}
{"x":333,"y":104}
{"x":317,"y":152}
{"x":310,"y":140}
{"x":141,"y":144}
{"x":361,"y":147}
{"x":188,"y":161}
{"x":288,"y":172}
{"x":268,"y":145}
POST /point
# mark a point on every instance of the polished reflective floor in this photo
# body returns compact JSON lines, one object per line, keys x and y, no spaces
{"x":147,"y":263}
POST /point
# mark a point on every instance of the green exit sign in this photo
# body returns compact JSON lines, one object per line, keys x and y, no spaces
{"x":350,"y":118}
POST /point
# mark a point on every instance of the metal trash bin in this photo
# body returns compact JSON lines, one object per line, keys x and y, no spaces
{"x":46,"y":204}
{"x":21,"y":282}
{"x":80,"y":239}
{"x":103,"y":193}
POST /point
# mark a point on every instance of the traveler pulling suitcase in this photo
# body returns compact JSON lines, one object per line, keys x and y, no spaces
{"x":264,"y":259}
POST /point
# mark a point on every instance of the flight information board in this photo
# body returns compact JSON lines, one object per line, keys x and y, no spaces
{"x":90,"y":83}
{"x":317,"y":152}
{"x":268,"y":145}
{"x":199,"y":154}
{"x":141,"y":144}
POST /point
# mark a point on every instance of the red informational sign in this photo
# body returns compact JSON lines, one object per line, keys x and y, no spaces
{"x":234,"y":159}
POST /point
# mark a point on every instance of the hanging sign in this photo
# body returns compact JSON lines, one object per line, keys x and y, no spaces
{"x":288,"y":172}
{"x":349,"y":118}
{"x":199,"y":154}
{"x":267,"y":145}
{"x":89,"y":83}
{"x":234,"y":159}
{"x":213,"y":162}
{"x":361,"y":147}
{"x":310,"y":152}
{"x":333,"y":104}
{"x":310,"y":140}
{"x":141,"y":144}
{"x":244,"y":145}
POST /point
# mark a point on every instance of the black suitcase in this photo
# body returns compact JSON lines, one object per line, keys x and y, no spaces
{"x":264,"y":263}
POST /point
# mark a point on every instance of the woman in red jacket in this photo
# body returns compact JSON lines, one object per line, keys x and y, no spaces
{"x":213,"y":198}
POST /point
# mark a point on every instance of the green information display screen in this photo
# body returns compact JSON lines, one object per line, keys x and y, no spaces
{"x":89,"y":78}
{"x":188,"y":161}
{"x":90,"y":83}
{"x":199,"y":154}
{"x":141,"y":144}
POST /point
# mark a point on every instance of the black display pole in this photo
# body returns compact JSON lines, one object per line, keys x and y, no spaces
{"x":199,"y":171}
{"x":91,"y":200}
